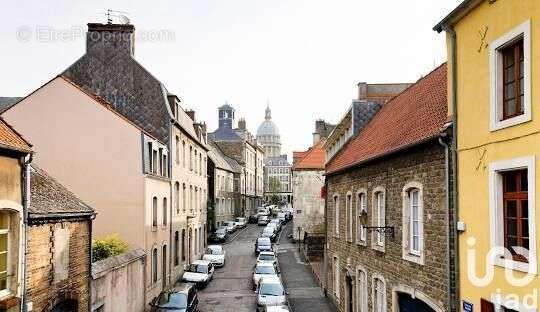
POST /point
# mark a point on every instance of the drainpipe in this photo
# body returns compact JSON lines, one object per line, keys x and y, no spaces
{"x":443,"y":143}
{"x":26,"y":161}
{"x":455,"y":177}
{"x":90,"y":228}
{"x":325,"y":256}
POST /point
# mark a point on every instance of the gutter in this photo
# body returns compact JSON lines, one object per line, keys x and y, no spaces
{"x":455,"y":176}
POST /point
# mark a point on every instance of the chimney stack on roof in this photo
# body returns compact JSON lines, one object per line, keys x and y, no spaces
{"x":191,"y":114}
{"x":242,"y":124}
{"x":110,"y":37}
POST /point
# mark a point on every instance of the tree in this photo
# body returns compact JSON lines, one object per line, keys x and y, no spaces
{"x":274,"y":186}
{"x":108,"y":246}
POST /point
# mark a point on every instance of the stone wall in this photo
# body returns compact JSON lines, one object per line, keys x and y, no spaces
{"x":118,"y":283}
{"x":307,"y":202}
{"x":50,"y":280}
{"x":425,"y":165}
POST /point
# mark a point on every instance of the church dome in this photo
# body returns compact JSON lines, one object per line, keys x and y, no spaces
{"x":268,"y":127}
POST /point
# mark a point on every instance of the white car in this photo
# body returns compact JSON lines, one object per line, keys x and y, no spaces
{"x":264,"y":269}
{"x":270,"y":292}
{"x":281,"y":217}
{"x":267,"y":257}
{"x":199,"y":272}
{"x":282,"y":308}
{"x":230,"y":226}
{"x":240,"y":222}
{"x":215,"y":254}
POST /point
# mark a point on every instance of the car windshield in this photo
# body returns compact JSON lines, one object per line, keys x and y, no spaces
{"x":266,"y":257}
{"x":214,"y":251}
{"x":271,"y":289}
{"x":263,"y":242}
{"x":198,"y":268}
{"x":172,"y":300}
{"x":220,"y":231}
{"x":260,"y":269}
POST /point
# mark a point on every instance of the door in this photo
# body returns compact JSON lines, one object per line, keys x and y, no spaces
{"x":409,"y":304}
{"x":349,"y":301}
{"x":164,"y":266}
{"x":66,"y":306}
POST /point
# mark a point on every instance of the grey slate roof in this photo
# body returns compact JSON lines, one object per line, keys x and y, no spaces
{"x":7,"y":102}
{"x":50,"y":199}
{"x":224,"y":134}
{"x":215,"y":154}
{"x":275,"y":161}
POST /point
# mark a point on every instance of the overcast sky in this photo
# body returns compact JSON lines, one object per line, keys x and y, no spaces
{"x":303,"y":56}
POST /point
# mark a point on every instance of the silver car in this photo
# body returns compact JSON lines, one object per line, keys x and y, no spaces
{"x":270,"y":292}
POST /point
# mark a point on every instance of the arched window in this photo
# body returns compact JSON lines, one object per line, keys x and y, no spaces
{"x":362,"y":289}
{"x":165,"y":211}
{"x":154,"y":211}
{"x":379,"y":294}
{"x":154,"y":265}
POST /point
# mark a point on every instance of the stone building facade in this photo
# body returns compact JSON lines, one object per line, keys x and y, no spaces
{"x":389,"y":208}
{"x":58,"y":269}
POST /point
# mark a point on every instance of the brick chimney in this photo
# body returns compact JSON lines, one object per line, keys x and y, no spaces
{"x":104,"y":38}
{"x":191,"y":114}
{"x":242,"y":124}
{"x":362,"y":90}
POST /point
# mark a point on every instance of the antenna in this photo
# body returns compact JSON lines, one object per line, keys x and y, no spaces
{"x":120,"y":15}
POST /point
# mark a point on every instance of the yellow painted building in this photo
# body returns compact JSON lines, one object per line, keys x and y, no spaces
{"x":493,"y":52}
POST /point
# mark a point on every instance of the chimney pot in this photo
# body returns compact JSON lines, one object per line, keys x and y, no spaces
{"x":191,"y":114}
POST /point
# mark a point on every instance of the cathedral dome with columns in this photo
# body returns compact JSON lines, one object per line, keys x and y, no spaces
{"x":268,"y":136}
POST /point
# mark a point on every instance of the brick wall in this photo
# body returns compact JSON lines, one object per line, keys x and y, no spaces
{"x":424,"y":164}
{"x":42,"y":291}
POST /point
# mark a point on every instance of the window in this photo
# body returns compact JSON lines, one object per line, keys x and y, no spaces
{"x":487,"y":306}
{"x":183,"y":153}
{"x":154,"y":212}
{"x":515,"y":211}
{"x":510,"y":78}
{"x":379,"y":295}
{"x":165,"y":166}
{"x":195,"y":161}
{"x":191,"y":198}
{"x":336,"y":215}
{"x":196,"y":247}
{"x":177,"y":197}
{"x":200,"y":164}
{"x":154,"y":162}
{"x":379,"y":218}
{"x":176,"y":248}
{"x":361,"y":212}
{"x":191,"y":158}
{"x":150,"y":162}
{"x":154,"y":266}
{"x":184,"y":197}
{"x":160,"y":158}
{"x":336,"y":277}
{"x":4,"y":250}
{"x":177,"y":149}
{"x":183,"y":244}
{"x":164,"y":211}
{"x":415,"y":221}
{"x":362,"y":289}
{"x":349,"y":213}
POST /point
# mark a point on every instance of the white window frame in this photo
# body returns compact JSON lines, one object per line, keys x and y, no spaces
{"x":409,"y":254}
{"x":7,"y":292}
{"x":378,"y":237}
{"x":496,"y":84}
{"x":361,"y":290}
{"x":361,"y":232}
{"x":336,"y":270}
{"x":336,"y":214}
{"x":374,"y":300}
{"x":349,"y":215}
{"x":496,"y":211}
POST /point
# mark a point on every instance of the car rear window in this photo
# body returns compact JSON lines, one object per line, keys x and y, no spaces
{"x":172,"y":300}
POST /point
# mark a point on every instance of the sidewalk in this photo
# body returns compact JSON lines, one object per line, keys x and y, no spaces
{"x":297,"y":275}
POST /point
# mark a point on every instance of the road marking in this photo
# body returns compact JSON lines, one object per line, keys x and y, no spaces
{"x":237,"y":234}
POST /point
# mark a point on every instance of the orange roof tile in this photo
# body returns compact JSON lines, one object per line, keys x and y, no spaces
{"x":314,"y":158}
{"x":415,"y":115}
{"x":11,"y":139}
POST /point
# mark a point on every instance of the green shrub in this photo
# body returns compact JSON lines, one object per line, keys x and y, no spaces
{"x":108,"y":246}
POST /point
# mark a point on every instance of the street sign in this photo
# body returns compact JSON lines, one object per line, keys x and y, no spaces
{"x":467,"y":307}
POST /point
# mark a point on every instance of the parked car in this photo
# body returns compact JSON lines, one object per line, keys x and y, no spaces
{"x":277,"y":222}
{"x":253,"y":218}
{"x":275,"y":210}
{"x":181,"y":298}
{"x":270,"y":292}
{"x":220,"y":235}
{"x":263,"y":269}
{"x":229,"y":225}
{"x":240,"y":223}
{"x":281,"y":217}
{"x":199,"y":272}
{"x":267,"y":257}
{"x":215,"y":254}
{"x":269,"y":232}
{"x":263,"y":220}
{"x":263,"y":244}
{"x":282,"y":308}
{"x":263,"y":211}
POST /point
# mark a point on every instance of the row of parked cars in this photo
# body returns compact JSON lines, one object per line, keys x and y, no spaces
{"x":227,"y":228}
{"x":267,"y":284}
{"x":183,"y":296}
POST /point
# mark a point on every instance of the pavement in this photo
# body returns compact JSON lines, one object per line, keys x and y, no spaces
{"x":305,"y":295}
{"x":230,"y":290}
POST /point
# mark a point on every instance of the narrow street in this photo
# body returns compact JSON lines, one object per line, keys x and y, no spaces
{"x":231,"y":288}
